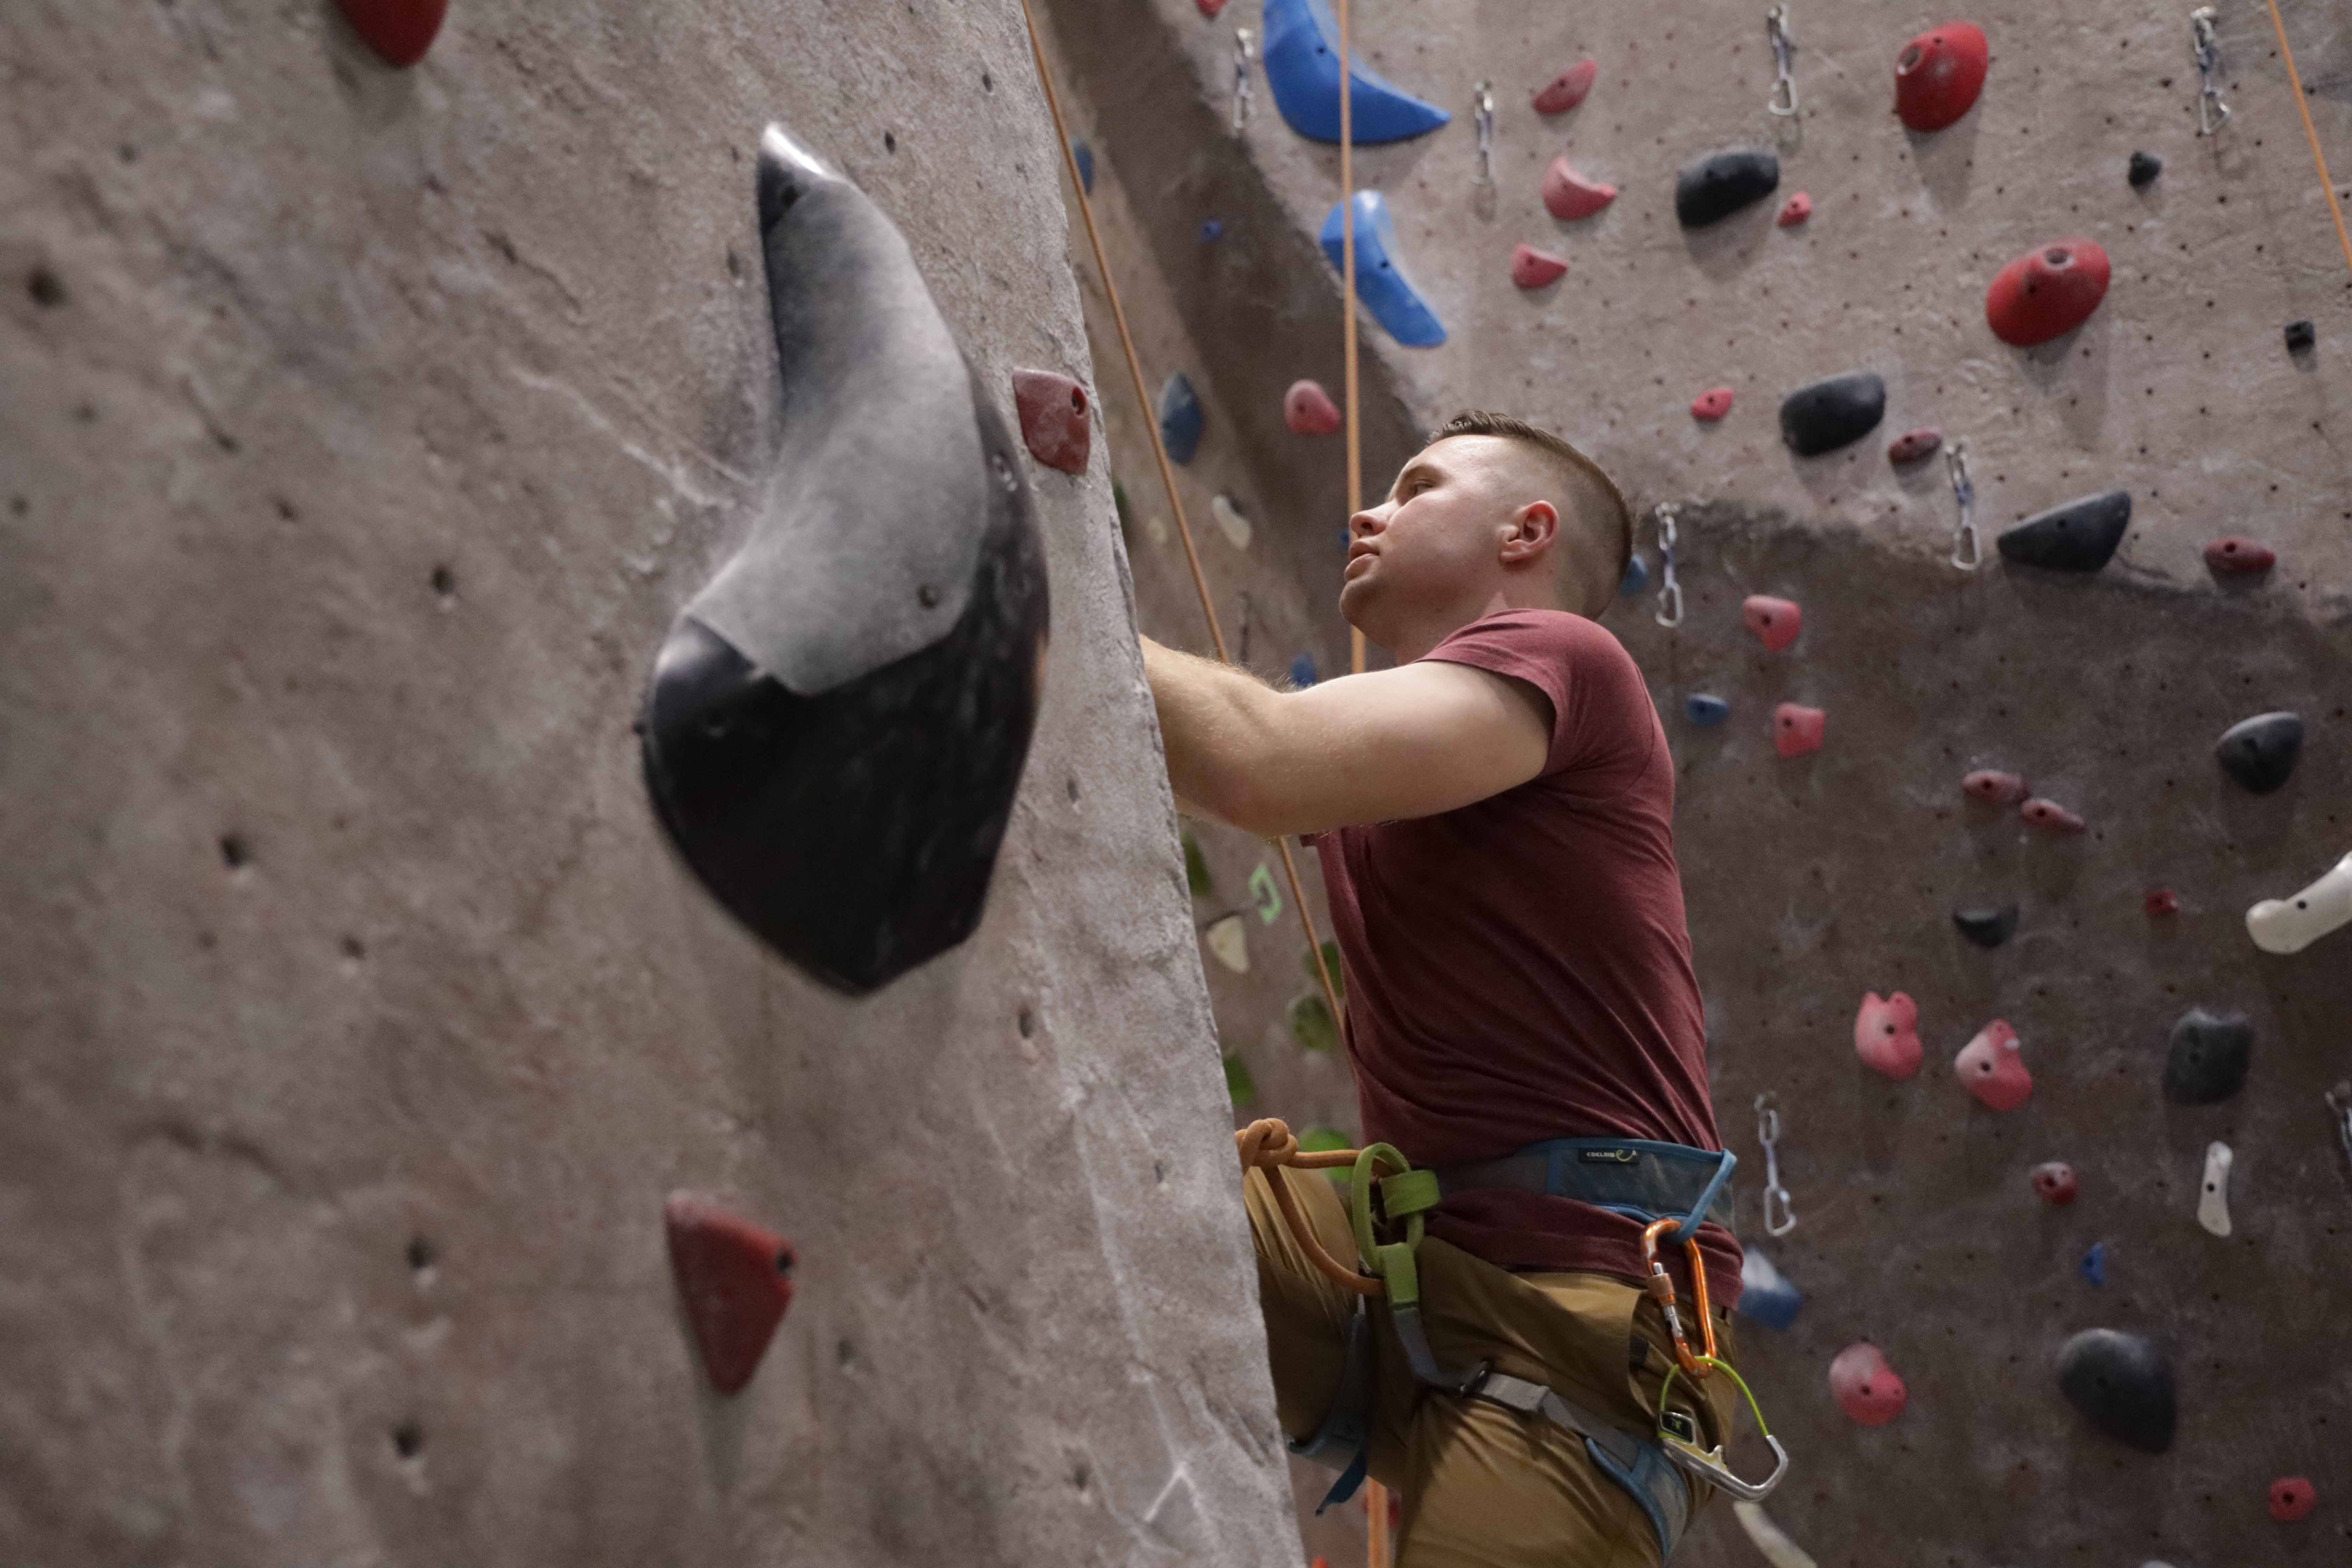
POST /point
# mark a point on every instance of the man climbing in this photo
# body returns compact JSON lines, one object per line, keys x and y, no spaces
{"x":1494,"y":821}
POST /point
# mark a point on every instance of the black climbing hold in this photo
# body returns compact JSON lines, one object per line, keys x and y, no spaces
{"x":2122,"y":1385}
{"x":1722,"y":183}
{"x":2260,"y":753}
{"x":2210,"y":1053}
{"x":2144,"y":168}
{"x":2080,"y":536}
{"x":836,"y":724}
{"x":2301,"y":337}
{"x":1832,"y":414}
{"x":1181,"y":418}
{"x":1986,"y":925}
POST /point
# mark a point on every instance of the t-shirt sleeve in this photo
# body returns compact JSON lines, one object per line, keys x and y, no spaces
{"x":1602,"y":722}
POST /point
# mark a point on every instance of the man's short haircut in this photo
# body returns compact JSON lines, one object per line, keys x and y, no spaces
{"x":1592,"y":494}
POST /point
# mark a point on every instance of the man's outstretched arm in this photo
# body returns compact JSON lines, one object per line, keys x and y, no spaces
{"x":1410,"y":742}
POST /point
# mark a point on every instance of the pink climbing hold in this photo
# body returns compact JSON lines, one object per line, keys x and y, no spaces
{"x":1567,"y":89}
{"x":1532,"y":268}
{"x":1912,"y":446}
{"x":1774,"y":622}
{"x":1569,"y":194}
{"x":2002,"y":789}
{"x":2056,"y":1182}
{"x":1797,"y":729}
{"x":1711,"y":404}
{"x":1993,"y":1066}
{"x":1887,"y":1035}
{"x":1796,"y":210}
{"x":1308,"y":410}
{"x":2161,"y":902}
{"x":399,"y":30}
{"x":2050,"y":814}
{"x":2292,"y":1497}
{"x":1209,"y":9}
{"x":1866,"y":1388}
{"x":736,"y":1281}
{"x":2239,"y":558}
{"x":1054,"y":419}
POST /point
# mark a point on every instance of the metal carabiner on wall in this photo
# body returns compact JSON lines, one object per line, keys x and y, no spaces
{"x":1783,"y":98}
{"x":1768,"y":1133}
{"x":1482,"y":112}
{"x":1244,"y":52}
{"x":1968,"y":550}
{"x":1670,"y":588}
{"x":2211,"y":112}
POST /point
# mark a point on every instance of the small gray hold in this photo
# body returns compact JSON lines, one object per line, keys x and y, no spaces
{"x":1987,"y":926}
{"x":2122,"y":1385}
{"x":2210,"y":1053}
{"x":2260,"y":753}
{"x":2144,"y":168}
{"x":2080,"y":536}
{"x":1832,"y":414}
{"x":1722,"y":183}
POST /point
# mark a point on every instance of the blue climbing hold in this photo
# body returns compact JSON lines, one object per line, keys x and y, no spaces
{"x":1303,"y":672}
{"x":1704,"y":711}
{"x":1637,"y":578}
{"x":1765,"y":1295}
{"x":1302,"y":66}
{"x":1083,"y":156}
{"x":1380,"y":281}
{"x":1212,"y":231}
{"x":2094,"y":1264}
{"x":1179,"y":419}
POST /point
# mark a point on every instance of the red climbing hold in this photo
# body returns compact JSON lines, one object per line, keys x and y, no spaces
{"x":1532,"y":268}
{"x":1938,"y":75}
{"x":2002,"y":789}
{"x":1308,"y":410}
{"x":1866,"y":1388}
{"x":2239,"y":558}
{"x":399,"y":30}
{"x":2056,"y":1182}
{"x":1887,"y":1035}
{"x":2047,"y":292}
{"x":1711,"y":404}
{"x":1774,"y":622}
{"x":1054,"y":420}
{"x":1796,"y":210}
{"x":2161,"y":902}
{"x":736,"y":1281}
{"x":1913,"y":445}
{"x":1569,"y":194}
{"x":1993,"y":1068}
{"x":2293,"y":1498}
{"x":1567,"y":89}
{"x":1797,"y":729}
{"x":1209,"y":9}
{"x":2050,"y":814}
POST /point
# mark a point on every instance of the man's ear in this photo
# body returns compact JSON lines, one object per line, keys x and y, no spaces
{"x":1535,"y":528}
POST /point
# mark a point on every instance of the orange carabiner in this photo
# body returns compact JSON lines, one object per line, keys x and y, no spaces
{"x":1661,"y":1286}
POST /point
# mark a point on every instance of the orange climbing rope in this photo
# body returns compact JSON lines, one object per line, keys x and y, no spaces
{"x":2303,"y":107}
{"x":1168,"y":473}
{"x":1268,"y":1143}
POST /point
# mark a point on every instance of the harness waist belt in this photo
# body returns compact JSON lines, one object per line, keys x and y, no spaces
{"x":1633,"y":1176}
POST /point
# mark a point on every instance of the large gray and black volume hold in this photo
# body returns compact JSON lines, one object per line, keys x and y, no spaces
{"x":2260,"y":753}
{"x":1832,"y":414}
{"x":837,"y":722}
{"x":1987,"y":925}
{"x":1722,"y":183}
{"x":2080,"y":536}
{"x":2122,"y":1385}
{"x":2210,"y":1053}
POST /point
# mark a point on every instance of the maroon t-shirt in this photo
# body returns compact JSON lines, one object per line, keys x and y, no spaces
{"x":1518,"y":969}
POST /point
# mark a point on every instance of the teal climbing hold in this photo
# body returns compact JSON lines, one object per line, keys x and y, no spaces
{"x":1083,"y":156}
{"x":1303,"y":672}
{"x":1704,"y":709}
{"x":1302,"y":66}
{"x":1392,"y":298}
{"x":1637,"y":578}
{"x":1181,"y":418}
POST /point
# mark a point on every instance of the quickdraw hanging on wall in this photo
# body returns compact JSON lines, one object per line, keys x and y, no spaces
{"x":2212,"y":113}
{"x":1967,"y":549}
{"x":1670,"y":588}
{"x":1783,"y":98}
{"x":1482,"y":115}
{"x":1244,"y":56}
{"x":1768,"y":1134}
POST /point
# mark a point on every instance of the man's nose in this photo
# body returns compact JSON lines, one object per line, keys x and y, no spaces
{"x":1368,"y":523}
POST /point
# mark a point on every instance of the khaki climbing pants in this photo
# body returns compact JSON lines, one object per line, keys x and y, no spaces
{"x":1482,"y":1486}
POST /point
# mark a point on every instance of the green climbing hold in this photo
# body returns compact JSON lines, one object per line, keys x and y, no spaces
{"x":1196,"y":869}
{"x":1263,"y":896}
{"x":1330,"y":966}
{"x":1311,"y":1023}
{"x":1239,"y":1086}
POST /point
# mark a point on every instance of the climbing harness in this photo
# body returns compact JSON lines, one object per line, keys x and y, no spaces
{"x":1783,"y":98}
{"x":1244,"y":53}
{"x":2311,"y":134}
{"x":1768,"y":1133}
{"x":1670,"y":1187}
{"x":1670,"y":588}
{"x":1968,"y":550}
{"x":2211,"y":112}
{"x":1482,"y":113}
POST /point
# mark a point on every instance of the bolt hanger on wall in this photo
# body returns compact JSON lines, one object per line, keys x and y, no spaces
{"x":2212,"y":113}
{"x":1670,"y":589}
{"x":1768,"y":1133}
{"x":1783,"y":98}
{"x":1244,"y":54}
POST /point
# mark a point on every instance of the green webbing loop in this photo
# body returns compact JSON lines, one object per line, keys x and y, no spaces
{"x":1410,"y":1193}
{"x":1723,"y":1367}
{"x":1393,"y":1260}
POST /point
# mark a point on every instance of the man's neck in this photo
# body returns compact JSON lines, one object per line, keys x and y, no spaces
{"x":1418,"y":640}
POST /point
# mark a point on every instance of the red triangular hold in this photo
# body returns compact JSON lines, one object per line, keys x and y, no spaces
{"x":736,"y":1279}
{"x":399,"y":30}
{"x":1054,"y":420}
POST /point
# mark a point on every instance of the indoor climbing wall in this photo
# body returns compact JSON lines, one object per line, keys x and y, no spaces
{"x":403,"y":1158}
{"x":1968,"y":857}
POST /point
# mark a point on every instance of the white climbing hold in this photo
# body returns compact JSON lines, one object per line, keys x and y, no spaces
{"x":1155,"y":529}
{"x":2290,"y":925}
{"x":1770,"y":1538}
{"x":1231,"y":521}
{"x":1228,"y":941}
{"x":2213,"y":1197}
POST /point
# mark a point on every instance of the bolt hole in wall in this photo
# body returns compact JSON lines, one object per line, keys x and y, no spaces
{"x":2020,"y":305}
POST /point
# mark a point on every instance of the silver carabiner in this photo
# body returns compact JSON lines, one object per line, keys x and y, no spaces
{"x":1967,"y":549}
{"x":1707,"y":1465}
{"x":1670,"y":588}
{"x":2211,"y":112}
{"x":1768,"y":1133}
{"x":1783,"y":98}
{"x":1244,"y":52}
{"x":1482,"y":110}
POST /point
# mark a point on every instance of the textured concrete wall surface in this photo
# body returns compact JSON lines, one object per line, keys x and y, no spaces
{"x":364,"y":428}
{"x":1814,"y":879}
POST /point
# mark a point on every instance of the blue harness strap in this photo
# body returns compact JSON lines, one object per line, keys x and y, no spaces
{"x":1343,"y":1438}
{"x":1637,"y":1177}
